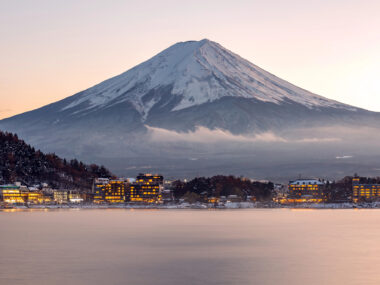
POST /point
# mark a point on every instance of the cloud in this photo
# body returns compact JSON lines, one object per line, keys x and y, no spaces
{"x":317,"y":140}
{"x":205,"y":135}
{"x":344,"y":157}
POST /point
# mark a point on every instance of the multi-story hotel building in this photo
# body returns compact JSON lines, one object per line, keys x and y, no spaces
{"x":17,"y":194}
{"x":306,"y":191}
{"x":13,"y":194}
{"x":37,"y":197}
{"x":149,"y":178}
{"x":362,"y":190}
{"x":99,"y":188}
{"x":147,"y":189}
{"x":109,"y":191}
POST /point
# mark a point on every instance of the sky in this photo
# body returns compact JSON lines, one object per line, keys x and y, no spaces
{"x":52,"y":49}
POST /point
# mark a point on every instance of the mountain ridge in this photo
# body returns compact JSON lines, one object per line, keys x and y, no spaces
{"x":199,"y":72}
{"x":186,"y":86}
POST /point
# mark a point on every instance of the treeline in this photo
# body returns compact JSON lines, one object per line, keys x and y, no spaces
{"x":339,"y":191}
{"x":220,"y":185}
{"x":21,"y":162}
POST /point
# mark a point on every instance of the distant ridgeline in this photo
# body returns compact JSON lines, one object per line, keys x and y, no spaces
{"x":21,"y":162}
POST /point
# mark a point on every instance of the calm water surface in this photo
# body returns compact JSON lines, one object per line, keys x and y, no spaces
{"x":119,"y":246}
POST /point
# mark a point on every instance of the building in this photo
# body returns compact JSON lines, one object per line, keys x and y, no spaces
{"x":98,"y":182}
{"x":19,"y":194}
{"x":234,"y":199}
{"x":213,"y":200}
{"x":280,"y":192}
{"x":115,"y":191}
{"x":36,"y":197}
{"x":144,"y":193}
{"x":203,"y":197}
{"x":99,"y":189}
{"x":109,"y":191}
{"x":150,"y":178}
{"x":61,"y":196}
{"x":12,"y":194}
{"x":147,"y":189}
{"x":67,"y":196}
{"x":251,"y":198}
{"x":167,"y":196}
{"x":306,"y":191}
{"x":363,"y":190}
{"x":75,"y":197}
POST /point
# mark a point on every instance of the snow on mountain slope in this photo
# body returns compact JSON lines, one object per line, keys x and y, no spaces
{"x":149,"y":119}
{"x":199,"y":72}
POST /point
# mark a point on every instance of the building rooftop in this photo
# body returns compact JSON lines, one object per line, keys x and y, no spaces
{"x":306,"y":182}
{"x":9,"y":186}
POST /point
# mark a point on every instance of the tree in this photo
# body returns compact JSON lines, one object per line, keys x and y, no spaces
{"x":191,"y":197}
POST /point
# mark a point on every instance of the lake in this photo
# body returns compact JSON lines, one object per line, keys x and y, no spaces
{"x":252,"y":246}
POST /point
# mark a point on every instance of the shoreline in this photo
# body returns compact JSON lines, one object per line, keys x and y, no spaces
{"x":200,"y":206}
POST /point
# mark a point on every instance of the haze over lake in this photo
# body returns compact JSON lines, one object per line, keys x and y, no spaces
{"x":120,"y":246}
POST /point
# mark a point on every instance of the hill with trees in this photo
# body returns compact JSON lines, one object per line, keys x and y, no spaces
{"x":221,"y":185}
{"x":21,"y":162}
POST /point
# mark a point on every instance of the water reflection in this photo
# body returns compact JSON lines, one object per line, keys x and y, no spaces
{"x":126,"y":246}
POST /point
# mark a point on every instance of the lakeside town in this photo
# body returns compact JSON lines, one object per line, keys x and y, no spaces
{"x":153,"y":191}
{"x":31,"y":179}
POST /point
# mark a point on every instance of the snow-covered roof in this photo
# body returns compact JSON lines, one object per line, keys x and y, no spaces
{"x":306,"y":182}
{"x":8,"y":186}
{"x":33,"y":189}
{"x":101,"y":180}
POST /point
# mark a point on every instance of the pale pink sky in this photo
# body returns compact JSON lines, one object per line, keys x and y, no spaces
{"x":52,"y":49}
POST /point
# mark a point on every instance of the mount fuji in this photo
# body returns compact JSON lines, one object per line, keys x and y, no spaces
{"x":194,"y":104}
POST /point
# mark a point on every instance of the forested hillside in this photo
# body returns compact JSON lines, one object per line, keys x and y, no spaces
{"x":220,"y":185}
{"x":21,"y":162}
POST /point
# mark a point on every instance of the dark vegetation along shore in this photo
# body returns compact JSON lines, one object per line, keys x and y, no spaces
{"x":220,"y":185}
{"x":21,"y":162}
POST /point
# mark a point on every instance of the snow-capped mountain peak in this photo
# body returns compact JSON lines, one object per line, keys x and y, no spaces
{"x":197,"y":99}
{"x":197,"y":72}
